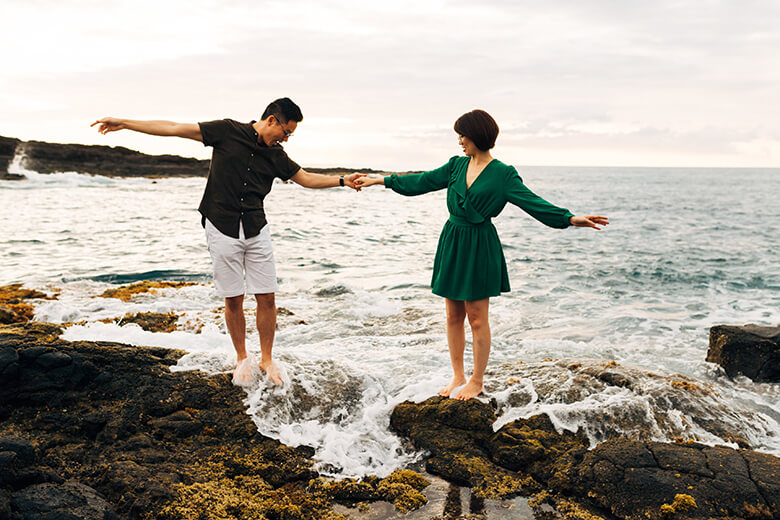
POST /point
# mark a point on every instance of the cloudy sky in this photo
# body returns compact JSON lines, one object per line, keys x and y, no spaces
{"x":579,"y":82}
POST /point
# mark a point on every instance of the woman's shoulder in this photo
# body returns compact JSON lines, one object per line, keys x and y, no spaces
{"x":458,"y":160}
{"x":506,"y":168}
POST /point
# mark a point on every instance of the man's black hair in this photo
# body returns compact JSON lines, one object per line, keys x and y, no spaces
{"x":284,"y":110}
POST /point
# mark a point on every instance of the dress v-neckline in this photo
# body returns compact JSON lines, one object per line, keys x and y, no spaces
{"x":466,"y":174}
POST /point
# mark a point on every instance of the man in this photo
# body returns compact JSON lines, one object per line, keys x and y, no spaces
{"x":245,"y":160}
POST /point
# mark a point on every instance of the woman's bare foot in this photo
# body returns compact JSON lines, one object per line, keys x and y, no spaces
{"x":273,"y":371}
{"x":455,"y":383}
{"x":472,"y":389}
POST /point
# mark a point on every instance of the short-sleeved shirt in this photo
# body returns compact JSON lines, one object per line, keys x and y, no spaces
{"x":241,"y":174}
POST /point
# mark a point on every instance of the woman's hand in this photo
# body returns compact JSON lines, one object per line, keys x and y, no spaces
{"x":365,"y":182}
{"x":591,"y":221}
{"x":352,"y":179}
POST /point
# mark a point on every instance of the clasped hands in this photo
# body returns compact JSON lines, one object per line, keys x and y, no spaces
{"x":357,"y":181}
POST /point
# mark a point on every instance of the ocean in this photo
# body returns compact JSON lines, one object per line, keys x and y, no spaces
{"x":686,"y":249}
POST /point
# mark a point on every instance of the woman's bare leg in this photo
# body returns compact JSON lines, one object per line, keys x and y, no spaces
{"x":456,"y":341}
{"x":477,"y":312}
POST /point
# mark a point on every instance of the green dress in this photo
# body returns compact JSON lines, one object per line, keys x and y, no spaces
{"x":469,"y":263}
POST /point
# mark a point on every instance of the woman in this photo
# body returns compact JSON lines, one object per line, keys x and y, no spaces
{"x":469,"y":266}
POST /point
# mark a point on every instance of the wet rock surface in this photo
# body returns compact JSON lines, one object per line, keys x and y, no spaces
{"x":104,"y":430}
{"x":14,"y":303}
{"x":619,"y":478}
{"x":748,"y":350}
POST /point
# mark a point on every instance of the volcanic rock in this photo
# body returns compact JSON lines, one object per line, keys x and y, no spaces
{"x":619,"y":478}
{"x":750,"y":350}
{"x":104,"y":430}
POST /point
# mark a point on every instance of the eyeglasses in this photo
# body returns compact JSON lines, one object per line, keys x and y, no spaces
{"x":287,"y":133}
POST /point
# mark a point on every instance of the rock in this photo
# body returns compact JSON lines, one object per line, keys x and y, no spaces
{"x":402,"y":488}
{"x":458,"y":434}
{"x":106,"y":160}
{"x":620,"y":478}
{"x":15,"y":313}
{"x":152,"y":443}
{"x":126,"y":292}
{"x":750,"y":350}
{"x":21,"y":447}
{"x":635,"y":479}
{"x":152,"y":321}
{"x":7,"y":153}
{"x":71,"y":500}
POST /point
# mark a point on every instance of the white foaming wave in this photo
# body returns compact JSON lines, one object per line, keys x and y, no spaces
{"x":335,"y":407}
{"x":374,"y":304}
{"x":605,"y":400}
{"x":78,"y":302}
{"x":209,"y":340}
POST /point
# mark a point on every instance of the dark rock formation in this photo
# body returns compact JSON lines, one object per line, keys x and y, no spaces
{"x":751,"y":350}
{"x":634,"y":479}
{"x":111,"y":161}
{"x":619,"y":478}
{"x":103,"y":430}
{"x":7,"y":152}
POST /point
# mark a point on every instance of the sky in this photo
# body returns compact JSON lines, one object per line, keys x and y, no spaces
{"x":580,"y":82}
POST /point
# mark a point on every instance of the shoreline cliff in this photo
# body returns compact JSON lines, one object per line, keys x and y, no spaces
{"x":111,"y":161}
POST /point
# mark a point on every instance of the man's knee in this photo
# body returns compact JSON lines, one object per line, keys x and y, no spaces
{"x":266,"y":301}
{"x":235,"y":303}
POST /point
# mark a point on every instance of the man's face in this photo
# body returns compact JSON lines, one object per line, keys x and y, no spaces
{"x":279,"y":132}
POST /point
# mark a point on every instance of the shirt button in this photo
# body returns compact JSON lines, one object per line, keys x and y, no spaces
{"x":244,"y":184}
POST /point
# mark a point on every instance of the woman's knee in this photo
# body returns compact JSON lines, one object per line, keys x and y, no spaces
{"x":478,"y":316}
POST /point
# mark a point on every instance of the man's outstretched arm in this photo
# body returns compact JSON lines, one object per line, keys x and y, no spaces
{"x":163,"y":128}
{"x":317,"y":180}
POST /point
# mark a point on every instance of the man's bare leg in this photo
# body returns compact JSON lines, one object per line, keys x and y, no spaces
{"x":456,"y":341}
{"x":266,"y":329}
{"x":477,"y":312}
{"x":236,"y":326}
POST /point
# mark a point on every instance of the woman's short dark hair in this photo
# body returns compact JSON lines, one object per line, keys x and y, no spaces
{"x":284,"y":110}
{"x":478,"y":126}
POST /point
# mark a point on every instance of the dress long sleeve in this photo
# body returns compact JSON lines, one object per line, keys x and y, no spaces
{"x":548,"y":214}
{"x":419,"y":183}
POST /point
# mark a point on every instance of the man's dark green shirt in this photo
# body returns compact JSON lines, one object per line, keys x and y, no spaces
{"x":241,"y":174}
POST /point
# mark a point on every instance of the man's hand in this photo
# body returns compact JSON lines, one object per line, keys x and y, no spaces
{"x":109,"y":124}
{"x":591,"y":221}
{"x":349,"y":180}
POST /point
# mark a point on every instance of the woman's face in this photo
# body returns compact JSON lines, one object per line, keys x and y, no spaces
{"x":468,"y":146}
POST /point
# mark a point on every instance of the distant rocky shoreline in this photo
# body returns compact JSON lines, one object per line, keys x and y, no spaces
{"x":111,"y":161}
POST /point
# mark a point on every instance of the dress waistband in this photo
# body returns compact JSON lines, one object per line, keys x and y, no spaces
{"x":461,"y":221}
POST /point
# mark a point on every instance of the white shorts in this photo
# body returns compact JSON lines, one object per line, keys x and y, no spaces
{"x":236,"y":258}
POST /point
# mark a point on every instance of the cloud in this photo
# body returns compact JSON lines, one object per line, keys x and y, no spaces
{"x":381,"y":83}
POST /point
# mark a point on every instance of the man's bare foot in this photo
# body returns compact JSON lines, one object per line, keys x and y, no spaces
{"x":472,"y":389}
{"x":242,"y":375}
{"x":455,"y":383}
{"x":273,"y":371}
